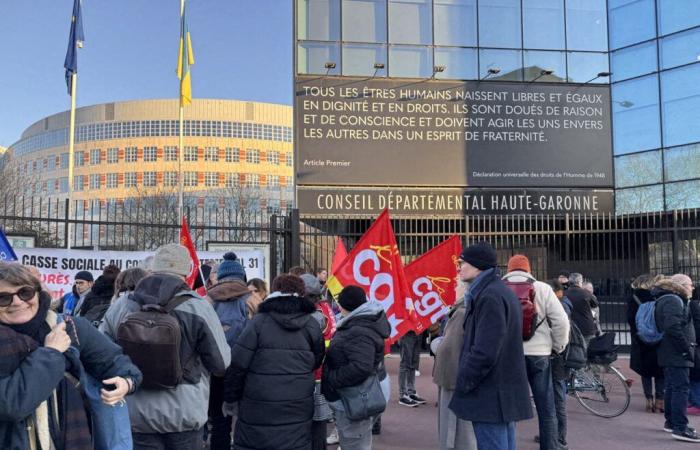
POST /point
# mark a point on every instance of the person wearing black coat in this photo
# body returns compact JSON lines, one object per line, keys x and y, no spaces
{"x":643,"y":358}
{"x":356,"y":353}
{"x":97,"y":302}
{"x":583,"y":303}
{"x":271,"y":376}
{"x":676,"y":352}
{"x":492,"y":389}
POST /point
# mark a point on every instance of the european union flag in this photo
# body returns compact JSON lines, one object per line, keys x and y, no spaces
{"x":75,"y":41}
{"x":6,"y":251}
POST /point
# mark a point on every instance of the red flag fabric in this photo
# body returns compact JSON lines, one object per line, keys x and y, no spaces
{"x":375,"y":265}
{"x":186,"y":240}
{"x":340,"y":254}
{"x":432,"y":279}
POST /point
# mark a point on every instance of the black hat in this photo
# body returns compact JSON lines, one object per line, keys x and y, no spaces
{"x":84,"y":275}
{"x":480,"y":255}
{"x":351,"y":297}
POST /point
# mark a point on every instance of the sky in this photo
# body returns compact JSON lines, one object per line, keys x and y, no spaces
{"x":242,"y":48}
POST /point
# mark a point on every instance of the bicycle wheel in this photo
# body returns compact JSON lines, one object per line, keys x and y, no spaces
{"x":602,"y":390}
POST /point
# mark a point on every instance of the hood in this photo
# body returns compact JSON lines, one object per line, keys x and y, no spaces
{"x":369,"y":315}
{"x":643,"y":295}
{"x":289,"y":311}
{"x":668,"y":286}
{"x":158,"y":288}
{"x":517,"y":276}
{"x":228,"y":290}
{"x":103,"y":287}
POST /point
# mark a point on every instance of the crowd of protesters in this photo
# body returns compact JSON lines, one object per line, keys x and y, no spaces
{"x":259,"y":368}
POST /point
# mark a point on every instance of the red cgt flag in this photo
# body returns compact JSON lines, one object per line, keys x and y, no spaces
{"x":432,"y":279}
{"x":186,"y":240}
{"x":339,"y":256}
{"x":375,"y":265}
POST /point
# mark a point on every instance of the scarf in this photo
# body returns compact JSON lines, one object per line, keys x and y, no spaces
{"x":61,"y":419}
{"x":476,"y":285}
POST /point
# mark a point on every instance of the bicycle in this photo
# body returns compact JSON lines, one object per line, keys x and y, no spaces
{"x":601,"y":389}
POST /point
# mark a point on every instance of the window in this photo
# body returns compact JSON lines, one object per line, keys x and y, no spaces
{"x":680,"y":94}
{"x":63,"y":185}
{"x":683,"y":195}
{"x":509,"y":61}
{"x":78,"y":183}
{"x":51,"y":163}
{"x":111,"y":181}
{"x":130,"y":154}
{"x":190,"y":179}
{"x":211,"y":179}
{"x":232,"y":154}
{"x":190,"y":154}
{"x":499,"y":23}
{"x":631,"y":22}
{"x":585,"y":66}
{"x":170,"y":153}
{"x":410,"y":22}
{"x":364,"y":20}
{"x":312,"y":58}
{"x":535,"y":61}
{"x":150,"y":154}
{"x":682,"y":163}
{"x":638,"y":169}
{"x":681,"y":48}
{"x":455,"y":22}
{"x":232,"y":180}
{"x":78,"y":159}
{"x":252,"y":156}
{"x":319,"y":20}
{"x":149,"y":179}
{"x":459,"y":63}
{"x":359,"y":59}
{"x":64,"y":160}
{"x":543,"y":24}
{"x":636,"y":115}
{"x":211,"y":154}
{"x":288,"y":160}
{"x":170,"y":179}
{"x":95,"y":181}
{"x":273,"y":180}
{"x":410,"y":61}
{"x":587,"y":25}
{"x":273,"y":158}
{"x":641,"y":199}
{"x":95,"y":157}
{"x":112,"y":155}
{"x":130,"y":180}
{"x":676,"y":15}
{"x":633,"y":61}
{"x":253,"y":180}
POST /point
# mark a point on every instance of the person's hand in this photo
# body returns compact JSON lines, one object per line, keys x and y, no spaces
{"x":116,"y":395}
{"x":58,"y":339}
{"x":230,"y":409}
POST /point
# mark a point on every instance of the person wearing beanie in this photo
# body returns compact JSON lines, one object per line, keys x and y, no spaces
{"x":174,"y":418}
{"x":271,"y":379}
{"x":551,"y":336}
{"x":492,"y":389}
{"x":356,"y":353}
{"x":231,"y":268}
{"x":73,"y":300}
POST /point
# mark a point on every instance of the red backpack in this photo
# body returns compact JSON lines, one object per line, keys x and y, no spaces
{"x":525,"y":291}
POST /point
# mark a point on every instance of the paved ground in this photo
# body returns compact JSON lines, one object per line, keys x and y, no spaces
{"x":416,"y":428}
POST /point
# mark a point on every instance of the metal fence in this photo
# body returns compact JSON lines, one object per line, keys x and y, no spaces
{"x":608,"y":250}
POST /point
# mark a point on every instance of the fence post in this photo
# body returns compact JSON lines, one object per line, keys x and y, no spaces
{"x":273,"y":247}
{"x":66,"y":228}
{"x":295,"y":239}
{"x":674,"y":242}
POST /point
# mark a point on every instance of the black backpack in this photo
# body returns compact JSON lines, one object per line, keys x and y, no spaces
{"x":152,"y":337}
{"x":575,"y":355}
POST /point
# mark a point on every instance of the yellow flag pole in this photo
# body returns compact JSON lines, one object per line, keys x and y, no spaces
{"x":181,"y":150}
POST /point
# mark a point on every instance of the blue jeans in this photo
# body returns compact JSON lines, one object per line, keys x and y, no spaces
{"x":676,"y":397}
{"x":539,"y":375}
{"x":495,"y":436}
{"x":560,"y":406}
{"x":694,"y":394}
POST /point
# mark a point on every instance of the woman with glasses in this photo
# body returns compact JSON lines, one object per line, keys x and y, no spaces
{"x":40,"y":398}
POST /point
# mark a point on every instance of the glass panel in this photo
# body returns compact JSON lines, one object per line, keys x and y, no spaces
{"x":536,"y":62}
{"x":359,"y":59}
{"x":499,"y":23}
{"x":410,"y":62}
{"x":631,"y":21}
{"x":586,"y":25}
{"x":318,"y":20}
{"x":680,"y":93}
{"x":455,"y":22}
{"x":676,"y":15}
{"x":679,"y":49}
{"x":460,"y":63}
{"x":508,"y":61}
{"x":364,"y":20}
{"x":682,"y":163}
{"x":312,"y":58}
{"x":642,"y":199}
{"x":633,"y":61}
{"x":585,"y":67}
{"x":683,"y":195}
{"x":543,"y":24}
{"x":410,"y":22}
{"x":635,"y":105}
{"x":638,"y":169}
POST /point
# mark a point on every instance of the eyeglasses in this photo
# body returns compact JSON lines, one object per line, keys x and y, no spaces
{"x":25,"y":293}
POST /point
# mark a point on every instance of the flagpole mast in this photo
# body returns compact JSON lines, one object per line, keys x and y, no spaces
{"x":181,"y":150}
{"x":71,"y":143}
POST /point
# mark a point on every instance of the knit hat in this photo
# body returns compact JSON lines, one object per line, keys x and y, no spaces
{"x":311,"y":284}
{"x":84,"y":275}
{"x":519,"y":262}
{"x":172,"y":259}
{"x":230,"y":267}
{"x":480,"y":255}
{"x":352,"y":297}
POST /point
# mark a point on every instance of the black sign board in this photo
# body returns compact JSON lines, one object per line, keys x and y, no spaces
{"x":364,"y":132}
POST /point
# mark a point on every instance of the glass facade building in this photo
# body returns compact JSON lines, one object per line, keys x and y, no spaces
{"x":652,"y":48}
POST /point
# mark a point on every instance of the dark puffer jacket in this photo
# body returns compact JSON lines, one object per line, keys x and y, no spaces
{"x":582,"y":314}
{"x":97,"y":302}
{"x":356,"y":351}
{"x":272,"y":375}
{"x":642,"y":356}
{"x":677,"y":348}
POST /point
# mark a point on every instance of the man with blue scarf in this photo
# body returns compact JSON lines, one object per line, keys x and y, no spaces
{"x":492,"y":389}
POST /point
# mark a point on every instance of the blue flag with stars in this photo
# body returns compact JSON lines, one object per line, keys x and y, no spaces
{"x":75,"y":41}
{"x":6,"y":251}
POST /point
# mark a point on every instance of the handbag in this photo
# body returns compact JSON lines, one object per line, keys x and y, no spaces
{"x":322,"y":410}
{"x":364,"y":400}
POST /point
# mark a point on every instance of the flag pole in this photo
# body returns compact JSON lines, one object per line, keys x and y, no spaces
{"x":181,"y":150}
{"x":71,"y":144}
